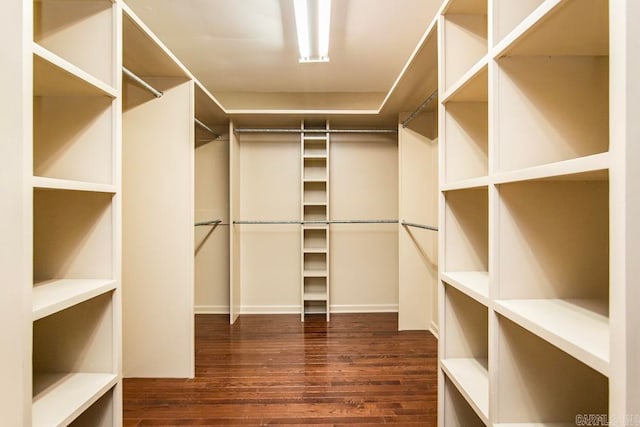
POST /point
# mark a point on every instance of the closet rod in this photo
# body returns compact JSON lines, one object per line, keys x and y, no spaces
{"x":205,"y":127}
{"x":295,"y":130}
{"x":413,"y":224}
{"x":141,"y":82}
{"x":421,"y":107}
{"x":214,"y":222}
{"x":347,"y":221}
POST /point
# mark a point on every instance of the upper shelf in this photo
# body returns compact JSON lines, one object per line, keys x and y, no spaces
{"x":559,"y":28}
{"x":54,"y":76}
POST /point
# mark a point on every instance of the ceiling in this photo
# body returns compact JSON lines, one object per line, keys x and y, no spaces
{"x":245,"y":51}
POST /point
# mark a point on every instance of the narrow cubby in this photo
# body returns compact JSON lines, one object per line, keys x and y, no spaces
{"x":553,"y":278}
{"x":314,"y":238}
{"x":538,"y":383}
{"x":464,"y":38}
{"x":314,"y":147}
{"x":99,"y":414}
{"x":315,"y":169}
{"x":74,"y":361}
{"x":73,"y":138}
{"x":314,"y":213}
{"x":466,"y":243}
{"x":315,"y":288}
{"x":315,"y":193}
{"x":315,"y":262}
{"x":465,"y":351}
{"x":457,"y":411}
{"x":73,"y":235}
{"x":315,"y":307}
{"x":81,"y":32}
{"x":466,"y":148}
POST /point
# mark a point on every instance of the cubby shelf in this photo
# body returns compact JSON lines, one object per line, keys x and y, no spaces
{"x":588,"y":168}
{"x":471,"y":378}
{"x":467,"y":184}
{"x":472,"y":283}
{"x":314,"y":250}
{"x":472,"y":86}
{"x":580,"y":327}
{"x":315,"y":296}
{"x":66,"y":184}
{"x":314,"y":273}
{"x":54,"y":76}
{"x":315,"y":156}
{"x":544,"y":30}
{"x":61,"y":398}
{"x":55,"y":295}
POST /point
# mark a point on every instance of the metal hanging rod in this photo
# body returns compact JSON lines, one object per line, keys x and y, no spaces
{"x":141,"y":82}
{"x":421,"y":107}
{"x":349,"y":221}
{"x":214,"y":222}
{"x":205,"y":127}
{"x":295,"y":130}
{"x":413,"y":224}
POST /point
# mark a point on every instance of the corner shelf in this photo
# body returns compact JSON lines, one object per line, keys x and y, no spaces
{"x":578,"y":327}
{"x":61,"y":398}
{"x":56,"y":295}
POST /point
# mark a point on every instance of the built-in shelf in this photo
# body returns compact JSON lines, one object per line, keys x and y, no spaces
{"x":315,"y":250}
{"x":315,"y":180}
{"x":55,"y":295}
{"x":315,"y":296}
{"x":61,"y":398}
{"x":314,"y":273}
{"x":588,"y":168}
{"x":471,"y":378}
{"x":65,"y":184}
{"x":472,"y":283}
{"x":580,"y":327}
{"x":54,"y":76}
{"x":315,"y":156}
{"x":589,"y":35}
{"x":472,"y":86}
{"x":315,"y":137}
{"x":467,"y":184}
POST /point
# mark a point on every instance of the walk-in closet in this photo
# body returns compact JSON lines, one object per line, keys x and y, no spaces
{"x":316,"y":212}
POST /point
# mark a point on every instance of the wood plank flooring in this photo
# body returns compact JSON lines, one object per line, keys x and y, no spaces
{"x":356,"y":370}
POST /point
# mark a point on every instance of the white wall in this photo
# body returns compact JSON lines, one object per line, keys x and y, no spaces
{"x":418,"y":248}
{"x":212,"y":243}
{"x":15,"y":215}
{"x":363,"y":184}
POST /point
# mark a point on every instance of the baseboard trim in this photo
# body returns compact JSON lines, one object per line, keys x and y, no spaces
{"x":435,"y":330}
{"x":365,"y":308}
{"x":211,"y":309}
{"x":337,"y":308}
{"x":270,"y":309}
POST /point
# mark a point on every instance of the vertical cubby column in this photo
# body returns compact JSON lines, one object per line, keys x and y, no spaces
{"x":315,"y":214}
{"x":76,"y":213}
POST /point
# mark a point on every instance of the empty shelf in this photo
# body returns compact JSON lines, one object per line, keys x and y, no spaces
{"x":587,"y":168}
{"x":315,"y":296}
{"x":579,"y":327}
{"x":314,"y":273}
{"x":60,"y":398}
{"x":472,"y":283}
{"x":315,"y":250}
{"x":471,"y":87}
{"x":466,"y":184}
{"x":55,"y":295}
{"x":54,"y":76}
{"x":66,"y":184}
{"x":472,"y":380}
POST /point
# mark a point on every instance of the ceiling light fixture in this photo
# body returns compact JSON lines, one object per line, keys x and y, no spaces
{"x":313,"y":19}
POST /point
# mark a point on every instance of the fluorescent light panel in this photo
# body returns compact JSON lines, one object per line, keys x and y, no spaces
{"x":313,"y":22}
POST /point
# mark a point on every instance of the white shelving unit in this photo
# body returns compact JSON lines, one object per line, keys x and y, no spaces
{"x":315,"y":207}
{"x":76,"y":222}
{"x":531,"y":186}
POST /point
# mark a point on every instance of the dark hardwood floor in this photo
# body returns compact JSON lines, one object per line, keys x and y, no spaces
{"x":274,"y":370}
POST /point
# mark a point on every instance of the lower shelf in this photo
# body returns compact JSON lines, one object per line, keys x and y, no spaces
{"x":315,"y":296}
{"x":579,"y":327}
{"x":60,"y":398}
{"x":471,"y":377}
{"x":315,"y":273}
{"x":473,"y":283}
{"x":55,"y":295}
